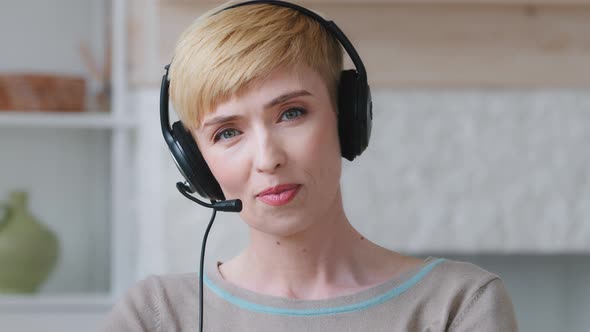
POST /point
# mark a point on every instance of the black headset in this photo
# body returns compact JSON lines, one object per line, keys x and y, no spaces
{"x":355,"y":114}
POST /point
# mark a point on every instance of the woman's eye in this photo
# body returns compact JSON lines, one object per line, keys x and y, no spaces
{"x":225,"y":134}
{"x":292,"y":113}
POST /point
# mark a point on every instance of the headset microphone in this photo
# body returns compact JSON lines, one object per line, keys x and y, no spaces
{"x":232,"y":205}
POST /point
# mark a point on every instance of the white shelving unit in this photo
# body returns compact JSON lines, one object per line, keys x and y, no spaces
{"x":78,"y":167}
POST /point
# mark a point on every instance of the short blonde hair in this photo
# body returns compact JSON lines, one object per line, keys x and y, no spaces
{"x":222,"y":53}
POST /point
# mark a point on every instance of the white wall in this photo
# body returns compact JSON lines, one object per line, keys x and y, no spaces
{"x":39,"y":35}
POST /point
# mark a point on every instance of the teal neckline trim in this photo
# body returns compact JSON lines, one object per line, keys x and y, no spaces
{"x":324,"y":311}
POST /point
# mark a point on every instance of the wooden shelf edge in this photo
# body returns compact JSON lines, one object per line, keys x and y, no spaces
{"x":77,"y":120}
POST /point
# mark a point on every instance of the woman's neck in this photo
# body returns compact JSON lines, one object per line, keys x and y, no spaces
{"x":326,"y":260}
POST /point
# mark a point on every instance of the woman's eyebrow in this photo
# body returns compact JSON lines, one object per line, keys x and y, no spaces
{"x":284,"y":97}
{"x":220,"y":119}
{"x":276,"y":101}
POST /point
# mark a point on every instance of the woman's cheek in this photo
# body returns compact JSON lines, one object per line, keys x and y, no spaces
{"x":227,"y":171}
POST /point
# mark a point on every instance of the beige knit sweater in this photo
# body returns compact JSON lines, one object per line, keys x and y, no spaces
{"x":439,"y":295}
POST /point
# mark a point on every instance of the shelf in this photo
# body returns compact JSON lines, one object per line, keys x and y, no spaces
{"x":53,"y":303}
{"x":84,"y":120}
{"x":58,"y":155}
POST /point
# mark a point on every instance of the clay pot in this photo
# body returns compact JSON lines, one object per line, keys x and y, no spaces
{"x":28,"y":249}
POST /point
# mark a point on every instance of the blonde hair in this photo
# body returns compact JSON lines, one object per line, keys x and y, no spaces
{"x":222,"y":53}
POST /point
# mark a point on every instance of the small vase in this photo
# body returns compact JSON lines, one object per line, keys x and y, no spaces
{"x":28,"y":249}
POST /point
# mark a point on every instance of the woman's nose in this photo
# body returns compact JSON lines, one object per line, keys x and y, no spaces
{"x":270,"y":155}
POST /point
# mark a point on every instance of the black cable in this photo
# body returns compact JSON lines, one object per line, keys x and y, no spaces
{"x":201,"y":268}
{"x":234,"y":205}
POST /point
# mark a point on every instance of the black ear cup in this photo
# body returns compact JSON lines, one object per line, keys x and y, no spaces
{"x":192,"y":165}
{"x":354,"y":114}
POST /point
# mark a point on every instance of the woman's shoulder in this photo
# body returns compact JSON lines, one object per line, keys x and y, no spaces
{"x":155,"y":285}
{"x":459,"y":272}
{"x":172,"y":281}
{"x":451,"y":278}
{"x":151,"y":301}
{"x":473,"y":296}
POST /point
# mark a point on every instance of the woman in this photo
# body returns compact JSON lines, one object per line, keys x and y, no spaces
{"x":257,"y":88}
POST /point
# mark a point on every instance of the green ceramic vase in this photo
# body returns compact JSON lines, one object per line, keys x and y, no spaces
{"x":28,"y":249}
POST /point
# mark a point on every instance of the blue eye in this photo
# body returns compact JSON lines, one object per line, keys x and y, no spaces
{"x":226,"y":134}
{"x":292,"y":113}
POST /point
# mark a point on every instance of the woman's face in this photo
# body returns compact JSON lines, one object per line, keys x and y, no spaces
{"x":280,"y":132}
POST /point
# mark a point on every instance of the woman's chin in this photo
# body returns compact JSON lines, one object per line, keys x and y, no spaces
{"x":286,"y":227}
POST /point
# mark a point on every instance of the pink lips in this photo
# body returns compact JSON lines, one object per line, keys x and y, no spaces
{"x":279,"y":195}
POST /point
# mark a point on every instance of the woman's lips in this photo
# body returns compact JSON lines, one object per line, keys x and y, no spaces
{"x":280,"y":198}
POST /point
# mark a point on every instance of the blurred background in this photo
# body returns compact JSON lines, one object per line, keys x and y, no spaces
{"x":478,"y":153}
